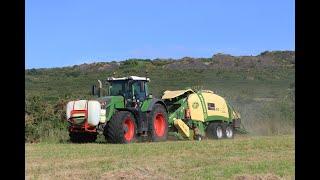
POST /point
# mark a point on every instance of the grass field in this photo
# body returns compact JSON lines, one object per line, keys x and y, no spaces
{"x":245,"y":157}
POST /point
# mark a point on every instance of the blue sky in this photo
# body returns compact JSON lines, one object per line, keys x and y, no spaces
{"x":67,"y":32}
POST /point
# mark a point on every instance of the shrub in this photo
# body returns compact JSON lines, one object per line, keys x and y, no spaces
{"x":43,"y":121}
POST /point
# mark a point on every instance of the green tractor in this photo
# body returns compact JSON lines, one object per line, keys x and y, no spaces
{"x":127,"y":114}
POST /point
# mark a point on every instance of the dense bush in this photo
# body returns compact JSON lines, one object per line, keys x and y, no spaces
{"x":43,"y":121}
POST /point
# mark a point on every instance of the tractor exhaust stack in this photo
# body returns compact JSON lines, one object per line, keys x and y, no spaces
{"x":100,"y":88}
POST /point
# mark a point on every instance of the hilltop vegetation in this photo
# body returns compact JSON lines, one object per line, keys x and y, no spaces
{"x":260,"y":87}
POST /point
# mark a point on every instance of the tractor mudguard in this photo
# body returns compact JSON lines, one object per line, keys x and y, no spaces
{"x":156,"y":101}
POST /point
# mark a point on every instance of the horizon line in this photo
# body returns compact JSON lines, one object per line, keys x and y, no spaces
{"x":152,"y":59}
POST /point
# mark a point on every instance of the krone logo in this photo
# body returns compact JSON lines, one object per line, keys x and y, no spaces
{"x":195,"y":105}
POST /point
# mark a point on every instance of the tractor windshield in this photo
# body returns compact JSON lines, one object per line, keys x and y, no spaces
{"x":139,"y":88}
{"x":118,"y":88}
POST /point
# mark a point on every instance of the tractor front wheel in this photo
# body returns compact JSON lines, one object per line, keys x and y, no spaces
{"x":121,"y":128}
{"x":158,"y":124}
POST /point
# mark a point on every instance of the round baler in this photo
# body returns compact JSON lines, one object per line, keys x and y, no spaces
{"x":203,"y":112}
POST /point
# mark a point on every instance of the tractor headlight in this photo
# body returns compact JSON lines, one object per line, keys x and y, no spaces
{"x":103,"y":104}
{"x":102,"y":116}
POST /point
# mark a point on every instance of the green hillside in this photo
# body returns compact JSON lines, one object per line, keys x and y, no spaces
{"x":260,"y":87}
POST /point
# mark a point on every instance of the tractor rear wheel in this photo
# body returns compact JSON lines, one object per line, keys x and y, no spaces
{"x":121,"y":128}
{"x":82,"y":137}
{"x":214,"y":130}
{"x":158,"y":124}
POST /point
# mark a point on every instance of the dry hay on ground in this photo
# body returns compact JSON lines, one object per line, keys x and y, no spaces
{"x":258,"y":177}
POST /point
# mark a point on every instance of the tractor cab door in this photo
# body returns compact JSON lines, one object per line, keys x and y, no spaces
{"x":139,"y":90}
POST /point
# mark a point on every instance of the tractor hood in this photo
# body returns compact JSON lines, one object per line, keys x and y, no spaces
{"x":110,"y":103}
{"x":106,"y":101}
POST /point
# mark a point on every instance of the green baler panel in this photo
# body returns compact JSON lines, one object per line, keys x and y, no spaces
{"x":178,"y":113}
{"x":217,"y":118}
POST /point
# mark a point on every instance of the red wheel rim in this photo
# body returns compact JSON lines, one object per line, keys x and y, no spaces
{"x":130,"y":129}
{"x":159,"y":124}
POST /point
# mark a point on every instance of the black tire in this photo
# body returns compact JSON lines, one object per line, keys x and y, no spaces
{"x":158,"y":124}
{"x":198,"y":137}
{"x":228,"y":131}
{"x":214,"y":130}
{"x":82,"y":137}
{"x":116,"y":131}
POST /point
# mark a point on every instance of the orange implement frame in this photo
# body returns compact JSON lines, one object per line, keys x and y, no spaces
{"x":81,"y":128}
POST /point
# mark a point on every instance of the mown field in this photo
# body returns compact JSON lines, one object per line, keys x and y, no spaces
{"x":244,"y":157}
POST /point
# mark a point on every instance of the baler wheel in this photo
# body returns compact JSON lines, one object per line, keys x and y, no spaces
{"x":158,"y":124}
{"x":121,"y":128}
{"x":228,"y":131}
{"x":215,"y":130}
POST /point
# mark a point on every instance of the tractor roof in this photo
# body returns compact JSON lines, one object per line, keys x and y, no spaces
{"x":137,"y":78}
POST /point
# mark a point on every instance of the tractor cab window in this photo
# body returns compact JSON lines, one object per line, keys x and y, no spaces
{"x":139,"y":89}
{"x":118,"y":88}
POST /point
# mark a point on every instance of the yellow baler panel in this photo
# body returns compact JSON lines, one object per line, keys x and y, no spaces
{"x":172,"y":94}
{"x":195,"y":107}
{"x":221,"y":108}
{"x":179,"y":124}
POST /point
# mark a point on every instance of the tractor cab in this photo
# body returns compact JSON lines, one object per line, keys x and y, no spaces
{"x":132,"y":88}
